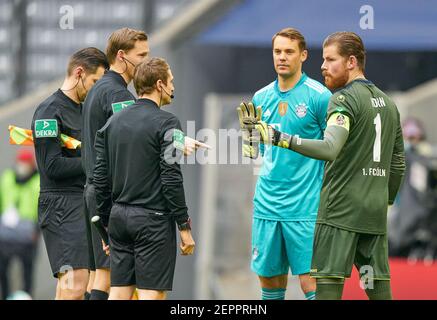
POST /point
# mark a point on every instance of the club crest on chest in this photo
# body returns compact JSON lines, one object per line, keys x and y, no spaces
{"x":301,"y":110}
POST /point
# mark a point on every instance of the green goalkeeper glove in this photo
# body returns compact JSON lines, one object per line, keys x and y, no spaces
{"x":250,"y":142}
{"x":250,"y":119}
{"x":270,"y":135}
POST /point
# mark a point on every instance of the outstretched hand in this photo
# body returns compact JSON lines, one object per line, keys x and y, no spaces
{"x":248,"y":115}
{"x":250,"y":119}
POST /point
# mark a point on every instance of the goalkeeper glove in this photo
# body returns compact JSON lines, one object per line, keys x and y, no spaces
{"x":251,"y":119}
{"x":250,"y":142}
{"x":270,"y":135}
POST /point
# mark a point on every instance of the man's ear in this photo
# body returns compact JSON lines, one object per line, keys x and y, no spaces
{"x":352,"y":62}
{"x":120,"y":55}
{"x":158,"y":85}
{"x":304,"y":55}
{"x":79,"y":72}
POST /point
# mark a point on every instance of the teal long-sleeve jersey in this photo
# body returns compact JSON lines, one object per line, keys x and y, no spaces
{"x":288,"y":188}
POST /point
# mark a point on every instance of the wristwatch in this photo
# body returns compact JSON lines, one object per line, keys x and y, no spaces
{"x":185,"y":225}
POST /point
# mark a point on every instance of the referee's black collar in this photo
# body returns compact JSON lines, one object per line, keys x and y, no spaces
{"x":61,"y":95}
{"x":147,"y":102}
{"x":116,"y":76}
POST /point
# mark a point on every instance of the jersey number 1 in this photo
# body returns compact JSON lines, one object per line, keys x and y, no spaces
{"x":377,"y":143}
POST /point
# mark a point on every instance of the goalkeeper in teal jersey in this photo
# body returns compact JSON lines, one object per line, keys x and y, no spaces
{"x":364,"y":148}
{"x":287,"y":192}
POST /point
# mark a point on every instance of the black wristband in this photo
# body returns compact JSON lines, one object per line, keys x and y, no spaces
{"x":181,"y":218}
{"x":105,"y":219}
{"x":185,"y":225}
{"x":276,"y":137}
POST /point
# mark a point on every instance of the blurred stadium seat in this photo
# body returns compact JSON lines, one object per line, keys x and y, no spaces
{"x":47,"y":46}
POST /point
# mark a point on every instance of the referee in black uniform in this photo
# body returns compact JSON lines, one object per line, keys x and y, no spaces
{"x":139,"y":188}
{"x":125,"y":49}
{"x":60,"y":206}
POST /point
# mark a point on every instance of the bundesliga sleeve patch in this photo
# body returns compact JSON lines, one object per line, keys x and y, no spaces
{"x":118,"y":106}
{"x":178,"y":139}
{"x":339,"y":119}
{"x":341,"y":98}
{"x":47,"y":128}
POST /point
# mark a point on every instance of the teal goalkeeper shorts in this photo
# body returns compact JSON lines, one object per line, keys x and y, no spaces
{"x":278,"y":246}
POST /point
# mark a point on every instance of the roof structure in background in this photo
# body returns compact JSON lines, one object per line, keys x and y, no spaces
{"x":398,"y":24}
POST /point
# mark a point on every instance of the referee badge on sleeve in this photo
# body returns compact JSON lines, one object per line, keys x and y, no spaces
{"x":178,"y":139}
{"x":118,"y":106}
{"x":46,"y":128}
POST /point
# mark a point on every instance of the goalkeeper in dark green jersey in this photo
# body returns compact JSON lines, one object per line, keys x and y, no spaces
{"x":364,"y":151}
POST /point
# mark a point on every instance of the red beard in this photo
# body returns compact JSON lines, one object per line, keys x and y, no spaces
{"x":335,"y":83}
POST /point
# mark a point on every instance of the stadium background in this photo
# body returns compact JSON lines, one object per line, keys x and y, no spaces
{"x":220,"y":53}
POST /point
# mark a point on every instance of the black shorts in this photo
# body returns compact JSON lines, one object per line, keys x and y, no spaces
{"x":98,"y":258}
{"x":143,"y":248}
{"x":60,"y":217}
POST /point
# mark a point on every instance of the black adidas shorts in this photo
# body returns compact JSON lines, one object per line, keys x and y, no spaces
{"x":143,"y":248}
{"x":98,"y":258}
{"x":60,"y":217}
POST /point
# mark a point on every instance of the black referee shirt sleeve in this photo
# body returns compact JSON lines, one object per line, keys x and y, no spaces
{"x":171,"y":175}
{"x":101,"y":180}
{"x":49,"y":153}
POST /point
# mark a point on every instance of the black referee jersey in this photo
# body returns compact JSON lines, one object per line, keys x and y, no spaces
{"x":138,"y":151}
{"x":60,"y":168}
{"x":109,"y":95}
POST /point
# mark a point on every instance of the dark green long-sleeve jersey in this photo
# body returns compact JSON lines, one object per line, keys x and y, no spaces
{"x":364,"y":150}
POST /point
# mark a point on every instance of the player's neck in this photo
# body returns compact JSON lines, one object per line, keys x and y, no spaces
{"x":287,"y":83}
{"x":358,"y":74}
{"x":121,"y":70}
{"x":69,"y":88}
